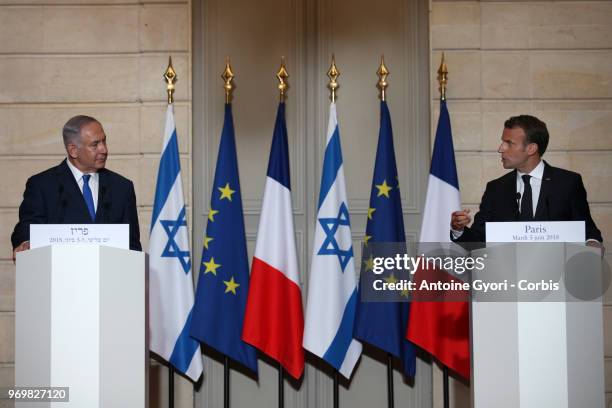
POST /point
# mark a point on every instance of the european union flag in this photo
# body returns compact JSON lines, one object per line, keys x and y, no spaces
{"x":383,"y":324}
{"x":223,"y":282}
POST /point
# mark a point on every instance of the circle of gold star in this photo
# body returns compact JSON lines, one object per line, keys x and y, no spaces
{"x":211,"y":214}
{"x":231,"y":285}
{"x":383,"y":189}
{"x":207,"y":240}
{"x":226,"y":192}
{"x":371,"y":212}
{"x":211,"y":266}
{"x":369,"y":263}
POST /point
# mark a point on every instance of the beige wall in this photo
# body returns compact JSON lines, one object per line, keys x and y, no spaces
{"x":549,"y":59}
{"x":62,"y":58}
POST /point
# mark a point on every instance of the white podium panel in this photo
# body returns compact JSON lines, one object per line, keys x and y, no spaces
{"x":539,"y":348}
{"x":81,"y":322}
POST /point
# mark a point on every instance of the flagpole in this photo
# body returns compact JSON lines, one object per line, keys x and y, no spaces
{"x":228,"y":86}
{"x":390,"y":393}
{"x":443,"y":80}
{"x":336,"y":393}
{"x":228,"y":77}
{"x":382,"y":85}
{"x":333,"y":86}
{"x":170,"y":386}
{"x":170,"y":77}
{"x":445,"y":385}
{"x":282,"y":76}
{"x":333,"y":75}
{"x":281,"y":386}
{"x":226,"y":382}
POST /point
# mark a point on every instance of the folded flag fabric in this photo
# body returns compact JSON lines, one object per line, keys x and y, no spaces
{"x":274,"y":321}
{"x":332,"y":289}
{"x":383,"y":324}
{"x":441,"y":328}
{"x":223,"y":282}
{"x":170,"y":277}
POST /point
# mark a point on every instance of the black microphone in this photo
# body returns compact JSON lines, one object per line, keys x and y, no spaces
{"x":517,"y":213}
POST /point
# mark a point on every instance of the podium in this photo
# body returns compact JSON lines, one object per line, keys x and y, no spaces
{"x":540,"y":347}
{"x":81,"y":323}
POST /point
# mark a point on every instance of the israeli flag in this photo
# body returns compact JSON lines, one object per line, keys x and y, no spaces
{"x":170,"y":278}
{"x":332,"y":289}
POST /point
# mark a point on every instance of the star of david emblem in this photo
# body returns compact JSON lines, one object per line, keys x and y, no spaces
{"x":172,"y":250}
{"x":330,"y":244}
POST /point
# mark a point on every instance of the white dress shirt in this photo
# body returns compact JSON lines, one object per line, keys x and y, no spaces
{"x":536,"y":185}
{"x":94,"y":181}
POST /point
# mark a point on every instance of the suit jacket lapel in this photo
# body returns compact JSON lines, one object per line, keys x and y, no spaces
{"x":510,"y":199}
{"x":542,"y":209}
{"x":102,"y":196}
{"x":70,"y":189}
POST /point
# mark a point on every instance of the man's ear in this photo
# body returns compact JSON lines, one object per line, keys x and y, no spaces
{"x":532,"y":149}
{"x":72,"y":150}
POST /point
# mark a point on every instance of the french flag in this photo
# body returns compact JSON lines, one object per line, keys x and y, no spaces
{"x":274,"y":321}
{"x":441,"y":328}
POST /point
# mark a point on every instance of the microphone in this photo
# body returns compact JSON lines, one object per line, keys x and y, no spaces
{"x":517,"y":212}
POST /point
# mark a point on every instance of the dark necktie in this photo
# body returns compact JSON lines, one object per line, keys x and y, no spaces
{"x":88,"y":196}
{"x":527,"y":200}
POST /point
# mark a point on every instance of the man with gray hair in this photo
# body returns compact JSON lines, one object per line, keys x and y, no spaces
{"x":80,"y":190}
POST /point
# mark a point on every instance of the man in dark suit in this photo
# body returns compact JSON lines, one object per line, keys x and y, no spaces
{"x":534,"y":190}
{"x":79,"y":190}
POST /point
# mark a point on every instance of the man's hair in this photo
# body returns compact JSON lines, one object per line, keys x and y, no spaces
{"x":72,"y":129}
{"x":535,"y":130}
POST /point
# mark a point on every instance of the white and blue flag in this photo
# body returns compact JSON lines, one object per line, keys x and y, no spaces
{"x":332,"y":289}
{"x":170,"y":278}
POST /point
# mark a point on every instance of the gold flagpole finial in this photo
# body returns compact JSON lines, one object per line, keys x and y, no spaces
{"x":382,"y":72}
{"x":282,"y":76}
{"x":170,"y":77}
{"x":228,"y":77}
{"x":442,"y":78}
{"x":333,"y":75}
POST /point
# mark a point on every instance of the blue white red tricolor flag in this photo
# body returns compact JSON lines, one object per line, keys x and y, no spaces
{"x":429,"y":326}
{"x":274,"y":321}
